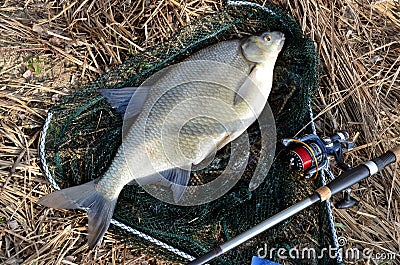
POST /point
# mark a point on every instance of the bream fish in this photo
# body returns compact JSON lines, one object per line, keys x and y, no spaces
{"x":177,"y":118}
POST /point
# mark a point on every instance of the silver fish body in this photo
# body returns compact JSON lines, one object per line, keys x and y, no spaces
{"x":176,"y":119}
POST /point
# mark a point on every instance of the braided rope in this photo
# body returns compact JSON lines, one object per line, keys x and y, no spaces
{"x":328,"y":202}
{"x":42,"y":153}
{"x":245,"y":3}
{"x":339,"y":257}
{"x":152,"y":240}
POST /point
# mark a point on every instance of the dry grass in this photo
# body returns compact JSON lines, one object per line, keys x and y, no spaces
{"x":359,"y":47}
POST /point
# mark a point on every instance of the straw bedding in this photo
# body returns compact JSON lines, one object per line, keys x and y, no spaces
{"x":48,"y":49}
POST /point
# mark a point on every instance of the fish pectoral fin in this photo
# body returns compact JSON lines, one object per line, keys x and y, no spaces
{"x":127,"y":101}
{"x":247,"y":89}
{"x":177,"y":179}
{"x":243,"y":91}
{"x":228,"y":137}
{"x":250,"y":92}
{"x":224,"y":141}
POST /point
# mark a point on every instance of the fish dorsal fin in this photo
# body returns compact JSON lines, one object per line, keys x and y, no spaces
{"x":136,"y":102}
{"x":127,"y":101}
{"x":118,"y":98}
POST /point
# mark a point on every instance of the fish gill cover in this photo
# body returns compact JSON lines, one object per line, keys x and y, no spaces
{"x":83,"y":132}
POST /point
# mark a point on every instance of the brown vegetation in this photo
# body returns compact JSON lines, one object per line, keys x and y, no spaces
{"x":48,"y":48}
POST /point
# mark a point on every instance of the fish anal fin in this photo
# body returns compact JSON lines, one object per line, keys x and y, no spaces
{"x":177,"y":179}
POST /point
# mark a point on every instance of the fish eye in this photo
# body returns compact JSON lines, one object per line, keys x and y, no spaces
{"x":267,"y":38}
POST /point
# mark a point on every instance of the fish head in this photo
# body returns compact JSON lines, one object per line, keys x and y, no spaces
{"x":259,"y":49}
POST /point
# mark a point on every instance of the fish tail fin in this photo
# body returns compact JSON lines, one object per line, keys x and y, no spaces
{"x":85,"y":197}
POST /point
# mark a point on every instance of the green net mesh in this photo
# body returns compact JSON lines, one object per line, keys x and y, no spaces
{"x":84,"y":133}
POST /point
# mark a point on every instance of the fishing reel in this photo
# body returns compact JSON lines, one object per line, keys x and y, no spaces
{"x":309,"y":154}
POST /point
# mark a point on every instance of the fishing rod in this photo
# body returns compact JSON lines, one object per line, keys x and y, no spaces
{"x":343,"y":181}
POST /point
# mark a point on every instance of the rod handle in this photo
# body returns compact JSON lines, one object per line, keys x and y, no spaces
{"x":350,"y":177}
